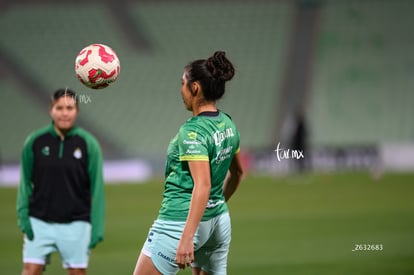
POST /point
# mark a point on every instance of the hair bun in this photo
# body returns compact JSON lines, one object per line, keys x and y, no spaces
{"x":220,"y":67}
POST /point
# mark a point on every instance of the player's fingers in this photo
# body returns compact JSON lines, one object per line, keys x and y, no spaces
{"x":184,"y":261}
{"x":189,"y":260}
{"x":180,"y":261}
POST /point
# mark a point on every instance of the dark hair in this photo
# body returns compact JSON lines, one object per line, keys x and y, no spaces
{"x":212,"y":73}
{"x":61,"y":93}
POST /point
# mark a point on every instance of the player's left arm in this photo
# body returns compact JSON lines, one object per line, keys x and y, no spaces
{"x":234,"y":176}
{"x":97,"y":192}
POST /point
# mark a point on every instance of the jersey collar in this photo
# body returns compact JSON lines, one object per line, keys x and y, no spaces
{"x":209,"y":113}
{"x":55,"y":134}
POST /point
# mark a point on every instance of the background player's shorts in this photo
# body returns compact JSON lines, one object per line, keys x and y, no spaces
{"x":211,"y":244}
{"x":71,"y":240}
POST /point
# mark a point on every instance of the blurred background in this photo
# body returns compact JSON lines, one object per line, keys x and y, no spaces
{"x":323,"y":97}
{"x":331,"y":78}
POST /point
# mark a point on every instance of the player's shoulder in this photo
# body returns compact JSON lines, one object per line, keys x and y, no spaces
{"x":207,"y":123}
{"x":226,"y":115}
{"x":82,"y":132}
{"x":228,"y":118}
{"x":34,"y":135}
{"x":189,"y":126}
{"x":195,"y":124}
{"x":86,"y":135}
{"x":192,"y":122}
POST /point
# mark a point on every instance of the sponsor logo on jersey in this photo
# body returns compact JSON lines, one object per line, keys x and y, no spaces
{"x":221,"y":125}
{"x":220,"y":136}
{"x":212,"y":204}
{"x":192,"y":135}
{"x":194,"y":151}
{"x":191,"y":142}
{"x":46,"y":151}
{"x":224,"y":154}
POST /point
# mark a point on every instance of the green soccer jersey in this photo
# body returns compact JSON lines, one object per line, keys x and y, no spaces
{"x":212,"y":137}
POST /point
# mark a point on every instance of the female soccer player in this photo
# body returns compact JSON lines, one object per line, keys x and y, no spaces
{"x":60,"y":202}
{"x":203,"y":170}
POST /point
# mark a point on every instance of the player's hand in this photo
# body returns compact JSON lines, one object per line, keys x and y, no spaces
{"x":26,"y":228}
{"x":185,"y":252}
{"x":94,"y":241}
{"x":29,"y":233}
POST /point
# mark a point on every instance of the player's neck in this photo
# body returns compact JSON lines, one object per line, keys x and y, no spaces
{"x":209,"y":107}
{"x":61,"y":132}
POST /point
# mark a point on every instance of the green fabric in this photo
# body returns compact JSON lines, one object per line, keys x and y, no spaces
{"x":97,"y":188}
{"x":25,"y":186}
{"x":95,"y":163}
{"x":202,"y":138}
{"x":25,"y":190}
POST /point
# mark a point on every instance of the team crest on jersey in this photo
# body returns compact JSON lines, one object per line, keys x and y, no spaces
{"x":77,"y":153}
{"x":192,"y":135}
{"x":46,"y":151}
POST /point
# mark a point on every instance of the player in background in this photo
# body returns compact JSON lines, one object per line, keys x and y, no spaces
{"x":60,"y":201}
{"x":203,"y":170}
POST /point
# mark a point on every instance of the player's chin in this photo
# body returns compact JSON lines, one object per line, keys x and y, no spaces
{"x":188,"y":107}
{"x":65,"y":125}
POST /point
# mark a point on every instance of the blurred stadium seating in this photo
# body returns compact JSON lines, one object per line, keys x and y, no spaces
{"x":360,"y":92}
{"x":143,"y":110}
{"x":363,"y":74}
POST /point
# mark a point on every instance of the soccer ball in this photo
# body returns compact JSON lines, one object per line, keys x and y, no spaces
{"x":97,"y":66}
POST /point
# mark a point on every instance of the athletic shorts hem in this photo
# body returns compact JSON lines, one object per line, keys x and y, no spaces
{"x":34,"y":261}
{"x":211,"y":244}
{"x":70,"y":240}
{"x":80,"y":266}
{"x":146,"y":252}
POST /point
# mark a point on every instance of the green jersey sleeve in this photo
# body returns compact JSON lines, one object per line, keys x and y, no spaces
{"x":97,"y":191}
{"x":192,"y":144}
{"x":25,"y":188}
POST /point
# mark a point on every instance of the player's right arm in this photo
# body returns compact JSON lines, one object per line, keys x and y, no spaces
{"x":25,"y":189}
{"x":200,"y":172}
{"x":234,"y":177}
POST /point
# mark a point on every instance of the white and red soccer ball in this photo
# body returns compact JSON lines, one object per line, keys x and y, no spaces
{"x":97,"y":66}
